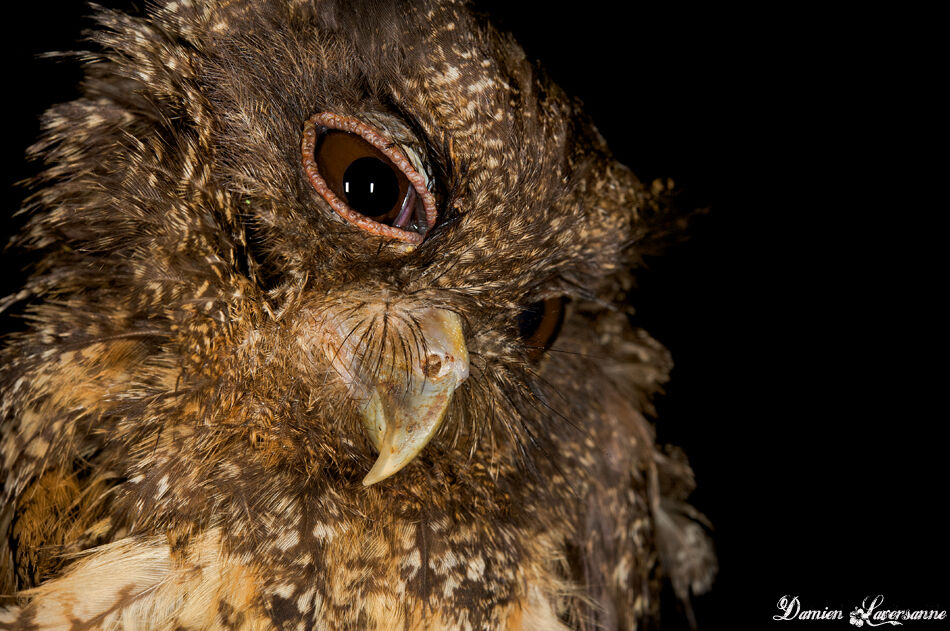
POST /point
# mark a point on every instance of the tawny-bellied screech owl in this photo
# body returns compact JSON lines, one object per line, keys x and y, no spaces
{"x":328,"y":330}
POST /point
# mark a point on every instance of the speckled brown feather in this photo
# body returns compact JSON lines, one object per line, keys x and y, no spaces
{"x":176,"y":455}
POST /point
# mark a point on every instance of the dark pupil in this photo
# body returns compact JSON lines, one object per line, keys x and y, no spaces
{"x":370,"y":186}
{"x":530,"y":319}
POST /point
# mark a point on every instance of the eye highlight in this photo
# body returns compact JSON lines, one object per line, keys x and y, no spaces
{"x":540,"y":323}
{"x":366,"y":179}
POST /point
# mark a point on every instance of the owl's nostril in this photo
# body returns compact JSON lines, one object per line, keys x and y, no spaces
{"x":433,"y":366}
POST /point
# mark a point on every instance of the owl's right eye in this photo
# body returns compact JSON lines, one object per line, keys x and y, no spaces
{"x":366,"y":179}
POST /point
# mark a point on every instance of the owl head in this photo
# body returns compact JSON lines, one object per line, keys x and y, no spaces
{"x":370,"y":243}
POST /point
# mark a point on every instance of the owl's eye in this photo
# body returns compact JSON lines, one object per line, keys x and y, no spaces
{"x":366,"y":178}
{"x":540,"y":323}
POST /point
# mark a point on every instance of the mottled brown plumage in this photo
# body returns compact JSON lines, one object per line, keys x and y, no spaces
{"x":179,"y":448}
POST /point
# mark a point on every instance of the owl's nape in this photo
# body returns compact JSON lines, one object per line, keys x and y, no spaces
{"x":328,"y":328}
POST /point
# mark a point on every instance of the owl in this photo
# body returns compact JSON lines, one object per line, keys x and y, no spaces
{"x":328,"y":328}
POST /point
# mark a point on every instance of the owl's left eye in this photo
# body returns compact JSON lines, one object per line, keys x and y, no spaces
{"x":367,"y":179}
{"x":539,"y":325}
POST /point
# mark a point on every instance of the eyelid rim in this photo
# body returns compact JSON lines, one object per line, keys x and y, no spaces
{"x":329,"y":120}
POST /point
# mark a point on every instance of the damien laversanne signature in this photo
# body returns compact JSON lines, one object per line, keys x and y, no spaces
{"x":871,"y":613}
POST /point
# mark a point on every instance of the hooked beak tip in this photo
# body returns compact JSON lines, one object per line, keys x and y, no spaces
{"x":400,"y":422}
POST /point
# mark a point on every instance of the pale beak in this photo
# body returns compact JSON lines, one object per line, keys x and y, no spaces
{"x":403,"y":407}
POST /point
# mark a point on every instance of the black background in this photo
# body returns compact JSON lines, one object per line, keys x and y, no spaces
{"x":805,"y":313}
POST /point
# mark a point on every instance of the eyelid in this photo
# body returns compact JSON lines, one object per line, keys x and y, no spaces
{"x":328,"y":120}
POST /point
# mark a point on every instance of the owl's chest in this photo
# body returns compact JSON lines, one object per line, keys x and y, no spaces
{"x":433,"y":574}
